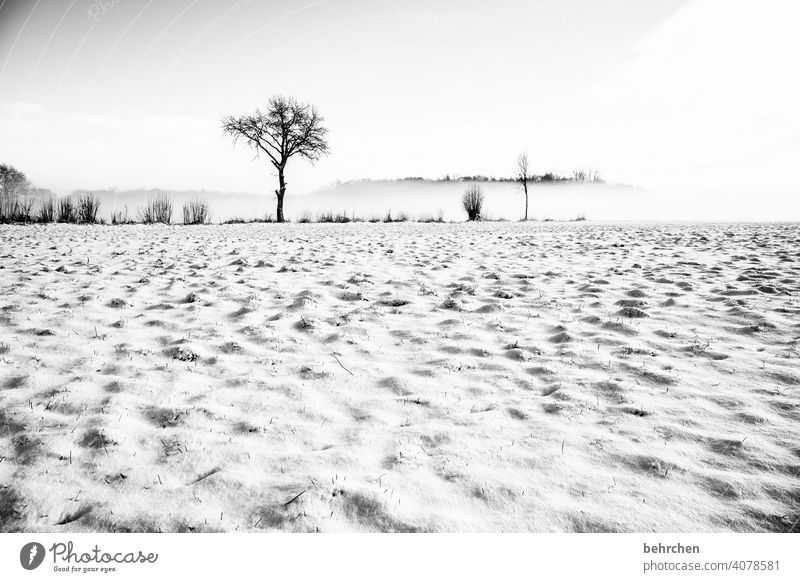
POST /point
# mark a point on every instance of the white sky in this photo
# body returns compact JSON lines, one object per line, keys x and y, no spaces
{"x":695,"y":99}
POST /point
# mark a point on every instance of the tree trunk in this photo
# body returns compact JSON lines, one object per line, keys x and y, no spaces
{"x":280,"y":193}
{"x":525,"y":186}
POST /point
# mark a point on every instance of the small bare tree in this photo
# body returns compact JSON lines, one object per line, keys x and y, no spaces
{"x":288,"y":128}
{"x":473,"y":201}
{"x":522,"y":176}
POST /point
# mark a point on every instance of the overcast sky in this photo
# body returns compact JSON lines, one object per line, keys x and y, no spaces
{"x":689,"y":97}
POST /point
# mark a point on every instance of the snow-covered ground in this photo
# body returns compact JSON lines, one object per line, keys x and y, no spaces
{"x":400,"y":377}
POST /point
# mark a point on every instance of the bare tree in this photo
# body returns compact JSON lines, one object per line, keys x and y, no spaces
{"x":288,"y":128}
{"x":13,"y":184}
{"x":522,"y":176}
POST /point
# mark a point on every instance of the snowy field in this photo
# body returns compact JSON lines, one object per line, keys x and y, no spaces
{"x":400,"y":377}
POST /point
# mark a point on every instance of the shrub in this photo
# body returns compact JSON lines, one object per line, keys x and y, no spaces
{"x":472,"y":201}
{"x":196,"y":212}
{"x":305,"y":217}
{"x":401,"y":217}
{"x":26,"y":209}
{"x":86,"y":208}
{"x":268,"y":217}
{"x":47,"y":211}
{"x":66,"y":210}
{"x":329,"y":216}
{"x":428,"y":218}
{"x":19,"y":210}
{"x":119,"y":217}
{"x":158,"y":208}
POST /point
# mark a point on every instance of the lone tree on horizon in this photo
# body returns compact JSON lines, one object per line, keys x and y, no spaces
{"x":288,"y":128}
{"x":522,"y":176}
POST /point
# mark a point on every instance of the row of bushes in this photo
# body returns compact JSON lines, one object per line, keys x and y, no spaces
{"x":342,"y":217}
{"x":85,"y":209}
{"x":159,"y":209}
{"x":82,"y":209}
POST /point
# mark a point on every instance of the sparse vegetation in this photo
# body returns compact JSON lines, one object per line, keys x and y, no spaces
{"x":22,"y":209}
{"x":22,"y":203}
{"x":585,"y":175}
{"x":329,"y":216}
{"x":268,"y":217}
{"x":196,"y":212}
{"x":47,"y":210}
{"x":87,"y":208}
{"x":428,"y":218}
{"x":66,"y":210}
{"x":119,"y":217}
{"x":158,"y":208}
{"x":472,"y":200}
{"x":400,"y":217}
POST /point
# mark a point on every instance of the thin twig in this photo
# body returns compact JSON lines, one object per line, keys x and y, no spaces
{"x":342,"y":365}
{"x":295,"y":498}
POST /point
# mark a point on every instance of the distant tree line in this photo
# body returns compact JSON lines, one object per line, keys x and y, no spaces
{"x":585,"y":175}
